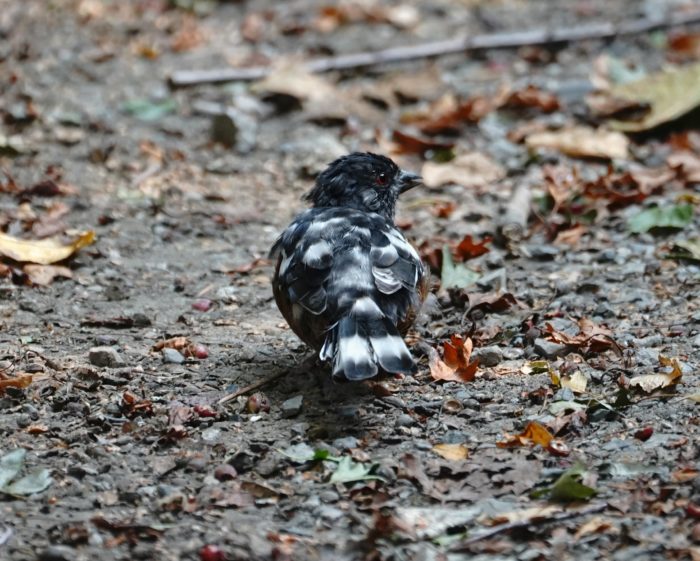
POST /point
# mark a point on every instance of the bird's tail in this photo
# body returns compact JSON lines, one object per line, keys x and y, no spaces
{"x":363,"y":341}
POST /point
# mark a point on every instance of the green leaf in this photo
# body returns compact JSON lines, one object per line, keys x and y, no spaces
{"x":676,"y":216}
{"x":10,"y":465}
{"x":148,"y":110}
{"x":689,"y":250}
{"x":455,"y":276}
{"x":35,"y":482}
{"x":569,"y":488}
{"x":349,"y":471}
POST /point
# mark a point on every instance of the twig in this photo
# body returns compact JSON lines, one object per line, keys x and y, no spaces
{"x":513,"y":224}
{"x":501,"y":40}
{"x":304,"y":365}
{"x":461,"y":546}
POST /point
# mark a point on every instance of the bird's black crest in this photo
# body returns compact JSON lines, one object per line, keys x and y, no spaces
{"x":361,"y":180}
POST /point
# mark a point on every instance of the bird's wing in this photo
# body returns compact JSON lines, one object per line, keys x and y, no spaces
{"x":395,"y":263}
{"x":305,"y":252}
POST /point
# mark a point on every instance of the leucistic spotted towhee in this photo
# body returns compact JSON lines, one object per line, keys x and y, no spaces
{"x":347,"y":281}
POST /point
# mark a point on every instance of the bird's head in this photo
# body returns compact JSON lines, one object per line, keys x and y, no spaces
{"x":363,"y":181}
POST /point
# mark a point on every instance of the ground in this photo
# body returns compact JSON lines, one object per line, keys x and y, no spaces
{"x":586,"y":327}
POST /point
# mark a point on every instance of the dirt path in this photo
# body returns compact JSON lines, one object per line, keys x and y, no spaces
{"x":144,"y":462}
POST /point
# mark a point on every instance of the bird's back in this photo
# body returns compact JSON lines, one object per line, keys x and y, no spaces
{"x":345,"y":280}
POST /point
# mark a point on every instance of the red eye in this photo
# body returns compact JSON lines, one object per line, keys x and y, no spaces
{"x":382,"y":179}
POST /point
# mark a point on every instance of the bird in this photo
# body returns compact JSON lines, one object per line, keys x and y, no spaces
{"x":346,"y":279}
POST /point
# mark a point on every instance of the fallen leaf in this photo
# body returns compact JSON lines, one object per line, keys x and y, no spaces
{"x":533,"y":97}
{"x":596,"y":525}
{"x":42,"y":252}
{"x":473,"y":169}
{"x":453,"y":452}
{"x":569,"y":488}
{"x":44,"y":275}
{"x":456,"y":366}
{"x":20,"y":381}
{"x":348,"y":471}
{"x":651,"y":382}
{"x":405,"y":143}
{"x":10,"y":466}
{"x":577,"y":382}
{"x":455,"y":275}
{"x":670,"y":95}
{"x":686,"y":164}
{"x":536,"y":513}
{"x":674,"y":216}
{"x":582,"y":142}
{"x":689,"y":249}
{"x":534,"y":433}
{"x":469,"y":249}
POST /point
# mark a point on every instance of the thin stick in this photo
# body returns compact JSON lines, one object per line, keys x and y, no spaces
{"x":502,"y":40}
{"x":524,"y":524}
{"x":304,"y":365}
{"x":513,"y":224}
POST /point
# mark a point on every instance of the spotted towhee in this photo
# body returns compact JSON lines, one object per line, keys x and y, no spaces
{"x":347,"y":281}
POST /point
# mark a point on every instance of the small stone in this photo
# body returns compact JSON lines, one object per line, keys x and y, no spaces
{"x":58,"y":553}
{"x":345,"y":443}
{"x":225,"y":472}
{"x":488,"y":356}
{"x":172,"y":356}
{"x":292,"y":406}
{"x":106,"y":357}
{"x":549,"y":349}
{"x":543,"y":252}
{"x":564,"y":394}
{"x":650,"y":341}
{"x":404,"y":420}
{"x":696,"y":341}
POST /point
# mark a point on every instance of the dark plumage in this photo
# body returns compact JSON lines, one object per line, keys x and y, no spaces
{"x":347,"y":281}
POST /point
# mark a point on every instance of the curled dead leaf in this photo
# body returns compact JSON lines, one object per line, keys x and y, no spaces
{"x":42,"y":252}
{"x":582,"y":142}
{"x":456,"y":366}
{"x":451,"y":451}
{"x":473,"y":169}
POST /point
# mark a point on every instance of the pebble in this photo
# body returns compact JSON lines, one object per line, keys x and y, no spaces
{"x":543,"y":252}
{"x":404,"y":420}
{"x":172,"y":356}
{"x":292,"y":406}
{"x":549,"y":349}
{"x":650,"y":341}
{"x":489,"y":356}
{"x":58,"y":553}
{"x":696,"y":341}
{"x":105,"y":357}
{"x":345,"y":443}
{"x":564,"y":394}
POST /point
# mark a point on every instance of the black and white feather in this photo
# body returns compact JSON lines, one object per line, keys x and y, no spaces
{"x":346,"y":277}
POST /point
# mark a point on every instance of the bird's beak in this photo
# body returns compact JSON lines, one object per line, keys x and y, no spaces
{"x":408,"y":180}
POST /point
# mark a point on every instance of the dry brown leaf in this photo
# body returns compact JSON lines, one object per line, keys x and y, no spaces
{"x":20,"y":381}
{"x":42,"y":252}
{"x":533,"y":97}
{"x":291,"y":78}
{"x":453,"y":452}
{"x":44,"y":275}
{"x":577,"y":382}
{"x":651,"y":382}
{"x":469,"y":249}
{"x":571,"y":236}
{"x":596,"y":525}
{"x":534,"y":433}
{"x":533,"y":514}
{"x":686,"y":164}
{"x":456,"y":366}
{"x":472,"y":169}
{"x":582,"y":142}
{"x":405,"y":143}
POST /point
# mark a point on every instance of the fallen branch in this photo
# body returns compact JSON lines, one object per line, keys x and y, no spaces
{"x":298,"y":369}
{"x":501,"y":40}
{"x":463,"y":545}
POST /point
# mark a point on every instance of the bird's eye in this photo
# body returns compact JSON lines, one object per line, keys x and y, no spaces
{"x":382,"y":179}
